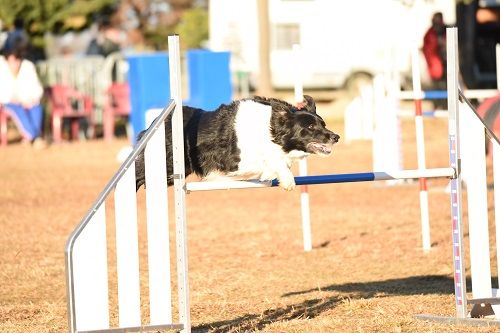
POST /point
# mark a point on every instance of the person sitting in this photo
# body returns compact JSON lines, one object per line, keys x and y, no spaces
{"x":18,"y":34}
{"x":21,"y":92}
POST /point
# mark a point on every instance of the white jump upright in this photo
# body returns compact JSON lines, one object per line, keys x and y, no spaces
{"x":467,"y":156}
{"x":304,"y":191}
{"x":86,"y":249}
{"x":419,"y":131}
{"x":496,"y":174}
{"x":496,"y":181}
{"x":474,"y":175}
{"x":456,"y":183}
{"x":386,"y":144}
{"x":127,"y":254}
{"x":157,"y":229}
{"x":179,"y":184}
{"x":358,"y":116}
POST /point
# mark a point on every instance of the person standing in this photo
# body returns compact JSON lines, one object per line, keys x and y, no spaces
{"x":21,"y":92}
{"x":434,"y":49}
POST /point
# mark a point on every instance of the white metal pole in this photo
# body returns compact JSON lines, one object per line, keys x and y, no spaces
{"x":304,"y":193}
{"x":496,"y":186}
{"x":304,"y":204}
{"x":496,"y":175}
{"x":498,"y":65}
{"x":456,"y":186}
{"x":298,"y":82}
{"x":379,"y":151}
{"x":419,"y":130}
{"x":179,"y":182}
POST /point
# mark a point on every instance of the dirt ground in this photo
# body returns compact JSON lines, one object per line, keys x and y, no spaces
{"x":247,"y":269}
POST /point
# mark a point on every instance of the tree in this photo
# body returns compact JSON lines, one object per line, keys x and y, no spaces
{"x":59,"y":16}
{"x":41,"y":16}
{"x":193,"y":28}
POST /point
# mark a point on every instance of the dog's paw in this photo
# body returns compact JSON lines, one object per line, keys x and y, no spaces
{"x":287,"y":182}
{"x":267,"y":176}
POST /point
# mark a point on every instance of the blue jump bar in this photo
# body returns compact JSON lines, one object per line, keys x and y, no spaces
{"x":443,"y":94}
{"x":329,"y":179}
{"x":324,"y":179}
{"x":435,"y":94}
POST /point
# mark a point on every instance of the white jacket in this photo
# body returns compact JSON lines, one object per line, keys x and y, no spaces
{"x":26,"y":86}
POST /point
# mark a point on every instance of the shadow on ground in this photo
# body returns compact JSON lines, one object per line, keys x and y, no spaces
{"x":415,"y":285}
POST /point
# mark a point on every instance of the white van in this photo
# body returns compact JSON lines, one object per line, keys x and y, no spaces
{"x":342,"y":41}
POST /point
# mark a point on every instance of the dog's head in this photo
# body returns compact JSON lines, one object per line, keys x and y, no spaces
{"x":299,"y":128}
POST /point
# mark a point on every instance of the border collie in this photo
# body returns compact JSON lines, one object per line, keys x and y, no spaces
{"x":255,"y":138}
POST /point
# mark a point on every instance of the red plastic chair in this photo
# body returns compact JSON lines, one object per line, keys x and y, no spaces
{"x":117,"y":104}
{"x":67,"y":103}
{"x":4,"y":118}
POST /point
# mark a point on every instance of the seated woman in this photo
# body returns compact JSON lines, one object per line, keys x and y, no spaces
{"x":21,"y":91}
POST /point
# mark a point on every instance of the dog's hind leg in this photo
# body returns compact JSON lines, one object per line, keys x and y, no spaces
{"x":140,"y":178}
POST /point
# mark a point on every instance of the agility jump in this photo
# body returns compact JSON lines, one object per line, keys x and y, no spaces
{"x":469,"y":159}
{"x":86,"y":248}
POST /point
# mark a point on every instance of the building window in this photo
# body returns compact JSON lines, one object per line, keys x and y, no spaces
{"x":286,"y":35}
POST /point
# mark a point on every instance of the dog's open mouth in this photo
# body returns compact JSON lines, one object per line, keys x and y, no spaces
{"x":319,"y":148}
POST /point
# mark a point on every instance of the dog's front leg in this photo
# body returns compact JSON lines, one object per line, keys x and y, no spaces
{"x":286,"y":178}
{"x":278,"y":169}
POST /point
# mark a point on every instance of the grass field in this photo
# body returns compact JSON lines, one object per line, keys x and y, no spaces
{"x":247,"y":270}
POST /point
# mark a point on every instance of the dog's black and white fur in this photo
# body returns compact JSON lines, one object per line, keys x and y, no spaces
{"x":254,"y":138}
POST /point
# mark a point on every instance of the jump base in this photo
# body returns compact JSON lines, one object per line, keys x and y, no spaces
{"x":459,"y":321}
{"x":145,"y":328}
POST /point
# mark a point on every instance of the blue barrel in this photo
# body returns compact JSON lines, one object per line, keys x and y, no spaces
{"x":149,"y":80}
{"x":209,"y":79}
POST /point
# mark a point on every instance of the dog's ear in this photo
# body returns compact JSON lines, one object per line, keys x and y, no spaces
{"x":281,"y":107}
{"x":307,"y":104}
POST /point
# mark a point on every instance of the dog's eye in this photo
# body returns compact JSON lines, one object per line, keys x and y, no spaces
{"x":311,"y":126}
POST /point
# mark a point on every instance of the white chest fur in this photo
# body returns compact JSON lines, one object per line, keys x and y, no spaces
{"x":260,"y":158}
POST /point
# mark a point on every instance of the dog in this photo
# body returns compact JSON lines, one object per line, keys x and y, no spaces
{"x":254,"y":138}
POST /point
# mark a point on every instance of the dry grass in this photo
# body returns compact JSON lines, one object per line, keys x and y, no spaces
{"x":366,"y":273}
